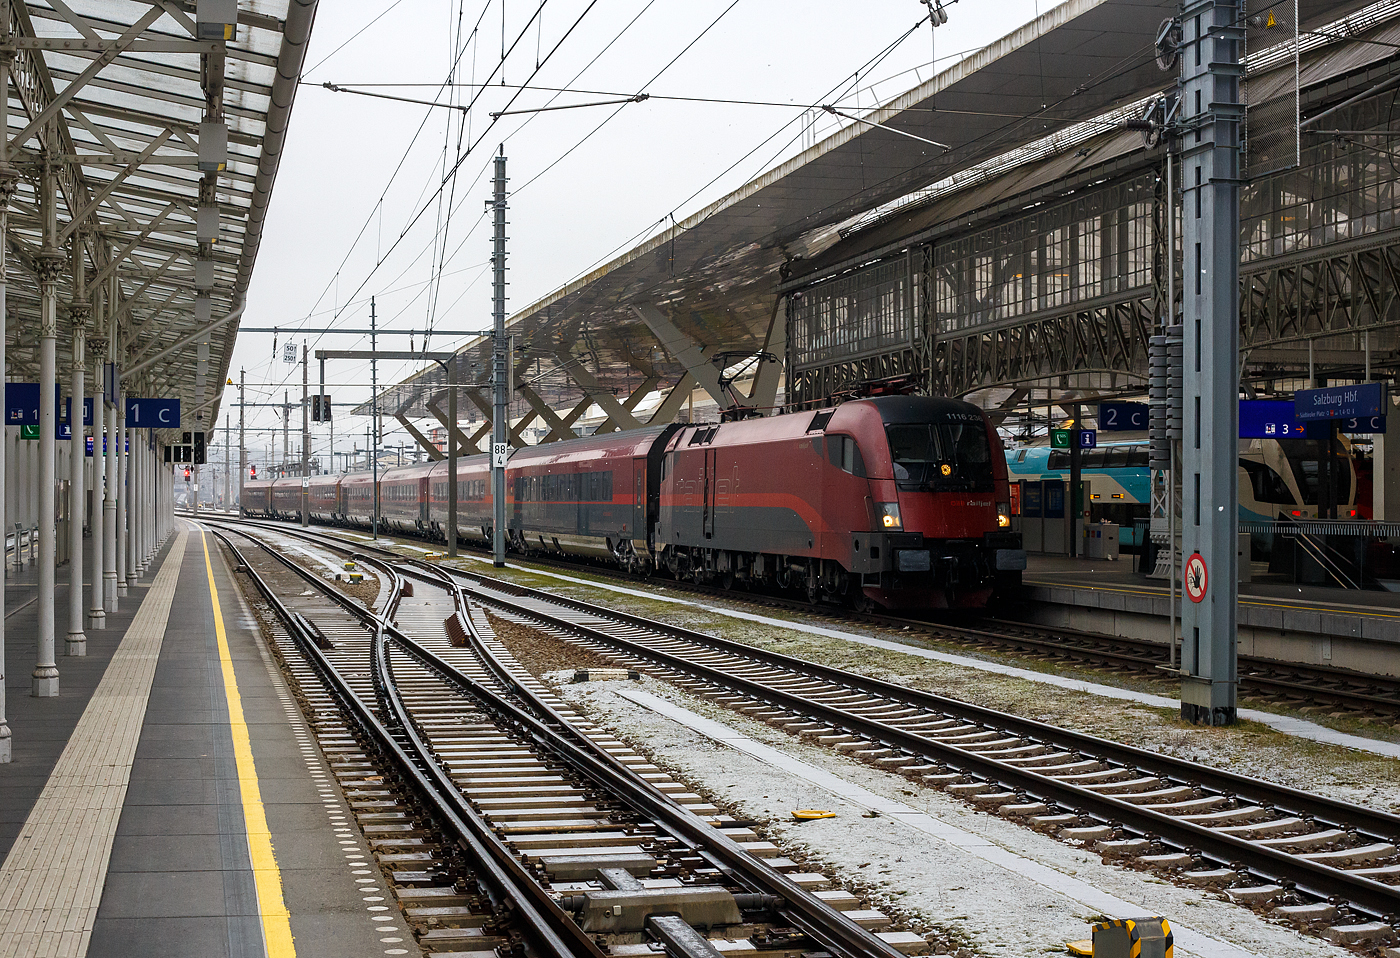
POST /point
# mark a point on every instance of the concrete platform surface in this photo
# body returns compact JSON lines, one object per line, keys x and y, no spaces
{"x":180,"y":805}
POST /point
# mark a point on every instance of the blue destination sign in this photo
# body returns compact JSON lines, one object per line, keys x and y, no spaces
{"x":1269,"y":419}
{"x":1123,"y":416}
{"x":22,"y":403}
{"x":67,"y":410}
{"x":1340,"y":402}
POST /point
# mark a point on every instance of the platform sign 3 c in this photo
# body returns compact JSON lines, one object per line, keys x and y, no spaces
{"x":1196,"y":578}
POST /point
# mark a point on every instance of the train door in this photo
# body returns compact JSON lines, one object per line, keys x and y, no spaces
{"x":639,"y":499}
{"x":710,"y":478}
{"x":423,"y":502}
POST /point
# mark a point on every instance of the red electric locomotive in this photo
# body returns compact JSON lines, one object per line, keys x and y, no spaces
{"x":896,"y":500}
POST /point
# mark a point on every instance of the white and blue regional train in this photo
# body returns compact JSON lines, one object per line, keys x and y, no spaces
{"x":1278,"y":479}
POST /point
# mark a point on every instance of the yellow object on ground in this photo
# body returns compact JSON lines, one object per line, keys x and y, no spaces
{"x":349,"y":564}
{"x":811,"y":814}
{"x":1084,"y":948}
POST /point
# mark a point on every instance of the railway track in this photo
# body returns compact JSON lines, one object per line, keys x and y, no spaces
{"x":1305,"y":688}
{"x":1321,"y":864}
{"x":505,"y":822}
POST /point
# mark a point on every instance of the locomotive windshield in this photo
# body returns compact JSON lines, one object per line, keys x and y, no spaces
{"x":941,"y":456}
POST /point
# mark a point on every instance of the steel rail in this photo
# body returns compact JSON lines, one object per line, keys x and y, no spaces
{"x":820,"y":921}
{"x":512,"y":890}
{"x":1310,"y":877}
{"x":1058,"y":642}
{"x":805,"y":911}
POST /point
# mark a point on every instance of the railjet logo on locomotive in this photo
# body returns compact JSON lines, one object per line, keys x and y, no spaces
{"x":893,"y":501}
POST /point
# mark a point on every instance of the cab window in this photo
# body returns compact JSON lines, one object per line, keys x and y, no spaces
{"x":844,"y":454}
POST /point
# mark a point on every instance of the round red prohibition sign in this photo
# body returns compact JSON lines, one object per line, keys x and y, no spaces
{"x":1196,"y":577}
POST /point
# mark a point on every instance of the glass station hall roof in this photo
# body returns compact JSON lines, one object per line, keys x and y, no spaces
{"x":111,"y":94}
{"x":717,"y":276}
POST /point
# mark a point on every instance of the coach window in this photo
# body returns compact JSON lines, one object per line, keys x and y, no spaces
{"x":845,"y":454}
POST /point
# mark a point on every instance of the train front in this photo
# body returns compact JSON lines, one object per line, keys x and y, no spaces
{"x":940,"y":504}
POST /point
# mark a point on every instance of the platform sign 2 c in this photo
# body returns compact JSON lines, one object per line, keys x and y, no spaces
{"x":1196,"y":577}
{"x":1123,"y":416}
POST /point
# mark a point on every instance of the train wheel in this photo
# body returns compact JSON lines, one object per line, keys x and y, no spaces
{"x":727,"y":581}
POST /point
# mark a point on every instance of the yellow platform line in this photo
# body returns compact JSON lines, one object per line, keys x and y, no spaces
{"x":267,"y":877}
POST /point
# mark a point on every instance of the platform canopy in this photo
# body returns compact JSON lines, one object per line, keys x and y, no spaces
{"x":125,"y":103}
{"x":712,"y":282}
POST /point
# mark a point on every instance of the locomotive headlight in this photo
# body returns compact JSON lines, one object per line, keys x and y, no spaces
{"x":889,"y":515}
{"x":946,"y":469}
{"x":1003,"y":515}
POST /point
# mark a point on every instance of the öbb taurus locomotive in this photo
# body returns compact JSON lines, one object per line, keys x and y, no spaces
{"x":897,"y":501}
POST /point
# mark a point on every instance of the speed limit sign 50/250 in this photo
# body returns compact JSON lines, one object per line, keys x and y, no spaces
{"x":1196,"y":577}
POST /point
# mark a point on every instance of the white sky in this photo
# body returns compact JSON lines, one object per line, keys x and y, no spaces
{"x":574,"y":205}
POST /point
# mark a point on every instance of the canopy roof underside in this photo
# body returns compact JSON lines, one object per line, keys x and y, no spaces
{"x":1013,"y":115}
{"x":109,"y":95}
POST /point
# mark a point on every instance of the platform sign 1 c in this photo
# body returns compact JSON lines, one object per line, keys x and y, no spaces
{"x":152,"y":413}
{"x":1196,"y":577}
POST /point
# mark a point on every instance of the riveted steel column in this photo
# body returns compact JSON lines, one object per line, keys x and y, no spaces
{"x":78,"y":310}
{"x":49,"y":262}
{"x":8,"y":183}
{"x":1212,"y":114}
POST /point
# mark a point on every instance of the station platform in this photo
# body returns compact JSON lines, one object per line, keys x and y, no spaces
{"x":1357,"y":630}
{"x":171,"y":800}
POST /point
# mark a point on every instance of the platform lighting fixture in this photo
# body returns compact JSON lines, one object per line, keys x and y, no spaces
{"x":213,"y":146}
{"x":216,"y":19}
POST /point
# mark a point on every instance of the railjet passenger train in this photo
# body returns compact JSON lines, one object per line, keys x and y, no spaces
{"x":896,"y":501}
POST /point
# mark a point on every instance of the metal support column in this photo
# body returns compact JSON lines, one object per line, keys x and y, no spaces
{"x":8,"y":183}
{"x":129,"y":499}
{"x":305,"y":446}
{"x":97,"y":615}
{"x":109,"y":504}
{"x":372,"y":442}
{"x":50,"y":264}
{"x":242,"y":445}
{"x":1212,"y":37}
{"x":499,"y":448}
{"x":78,"y":309}
{"x":228,"y":489}
{"x":122,"y":502}
{"x":451,"y":367}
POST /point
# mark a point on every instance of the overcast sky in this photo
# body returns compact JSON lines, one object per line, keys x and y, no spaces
{"x":357,"y":210}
